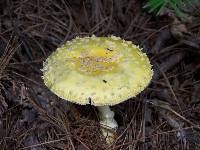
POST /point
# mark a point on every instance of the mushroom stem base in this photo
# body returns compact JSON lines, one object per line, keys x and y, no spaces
{"x":108,"y":123}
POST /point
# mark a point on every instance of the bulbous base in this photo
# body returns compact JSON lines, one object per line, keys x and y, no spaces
{"x":108,"y":123}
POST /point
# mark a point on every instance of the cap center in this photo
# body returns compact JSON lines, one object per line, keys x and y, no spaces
{"x":96,"y":61}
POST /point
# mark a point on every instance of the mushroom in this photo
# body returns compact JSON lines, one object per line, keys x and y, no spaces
{"x":101,"y":71}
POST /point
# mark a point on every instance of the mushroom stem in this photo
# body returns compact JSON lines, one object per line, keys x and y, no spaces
{"x":108,"y":123}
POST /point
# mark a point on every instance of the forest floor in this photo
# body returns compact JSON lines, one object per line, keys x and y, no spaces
{"x":166,"y":115}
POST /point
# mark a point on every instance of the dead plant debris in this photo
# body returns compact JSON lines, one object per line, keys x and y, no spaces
{"x":164,"y":116}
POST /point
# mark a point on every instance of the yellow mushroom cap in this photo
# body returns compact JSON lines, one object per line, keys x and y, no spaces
{"x":97,"y":70}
